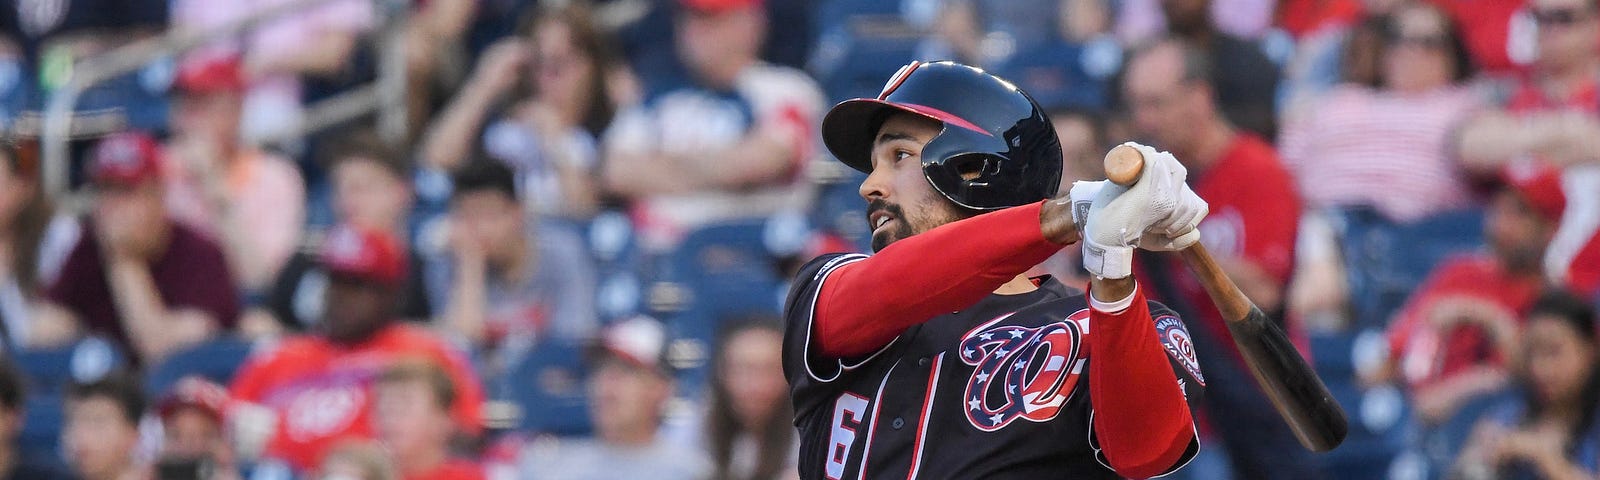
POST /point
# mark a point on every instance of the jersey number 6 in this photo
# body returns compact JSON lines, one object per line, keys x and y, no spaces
{"x":847,"y":412}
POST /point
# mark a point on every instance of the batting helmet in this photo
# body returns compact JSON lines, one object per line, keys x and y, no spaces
{"x":997,"y":148}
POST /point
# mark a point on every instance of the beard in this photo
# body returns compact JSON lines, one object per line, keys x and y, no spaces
{"x":932,"y":214}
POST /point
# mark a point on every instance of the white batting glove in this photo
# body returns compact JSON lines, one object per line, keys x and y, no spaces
{"x":1159,"y":212}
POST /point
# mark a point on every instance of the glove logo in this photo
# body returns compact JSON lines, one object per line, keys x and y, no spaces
{"x":1175,"y":340}
{"x":1022,"y":372}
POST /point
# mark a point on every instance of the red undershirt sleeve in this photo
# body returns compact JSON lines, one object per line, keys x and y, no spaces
{"x":1141,"y":417}
{"x":864,"y":305}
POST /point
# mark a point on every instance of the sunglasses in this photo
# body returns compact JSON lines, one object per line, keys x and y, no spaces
{"x":1561,"y":16}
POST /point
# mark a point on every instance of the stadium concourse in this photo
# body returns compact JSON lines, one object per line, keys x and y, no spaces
{"x":567,"y":255}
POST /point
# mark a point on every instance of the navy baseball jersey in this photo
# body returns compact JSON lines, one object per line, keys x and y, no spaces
{"x":997,"y":390}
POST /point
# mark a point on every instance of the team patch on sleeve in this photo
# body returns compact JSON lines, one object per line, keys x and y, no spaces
{"x":1175,"y":339}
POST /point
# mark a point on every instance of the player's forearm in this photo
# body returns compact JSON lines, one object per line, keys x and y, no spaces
{"x":864,"y":305}
{"x":1141,"y":415}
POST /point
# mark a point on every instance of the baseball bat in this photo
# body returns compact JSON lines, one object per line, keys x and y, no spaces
{"x":1289,"y":382}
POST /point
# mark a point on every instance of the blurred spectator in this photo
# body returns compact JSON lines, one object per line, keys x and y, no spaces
{"x":505,"y":281}
{"x":195,"y":443}
{"x":1251,"y":230}
{"x":13,"y":393}
{"x":1553,"y":118}
{"x":101,"y":433}
{"x":250,"y":201}
{"x":279,"y":54}
{"x":1072,"y":65}
{"x":1244,"y":80}
{"x":1454,"y":337}
{"x":357,"y":460}
{"x":319,"y":386}
{"x":749,"y":424}
{"x":988,"y":32}
{"x":629,"y":386}
{"x":1551,"y":431}
{"x":727,"y":142}
{"x":436,"y":55}
{"x":412,"y":417}
{"x":1336,"y":42}
{"x":1499,"y":34}
{"x":1399,"y":131}
{"x":33,"y":243}
{"x":149,"y":283}
{"x":371,"y":190}
{"x":558,"y":66}
{"x":1083,"y":147}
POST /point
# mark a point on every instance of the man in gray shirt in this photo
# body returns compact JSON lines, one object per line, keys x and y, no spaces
{"x":505,"y":282}
{"x":629,"y":386}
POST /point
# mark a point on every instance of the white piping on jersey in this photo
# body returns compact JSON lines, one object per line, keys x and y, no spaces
{"x":822,"y":276}
{"x":877,"y":402}
{"x":927,"y":412}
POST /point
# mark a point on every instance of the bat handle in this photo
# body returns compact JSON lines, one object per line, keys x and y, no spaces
{"x":1123,"y":165}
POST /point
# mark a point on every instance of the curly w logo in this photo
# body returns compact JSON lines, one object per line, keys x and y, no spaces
{"x":1022,"y":372}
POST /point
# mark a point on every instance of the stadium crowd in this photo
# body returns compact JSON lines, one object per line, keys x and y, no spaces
{"x":571,"y":261}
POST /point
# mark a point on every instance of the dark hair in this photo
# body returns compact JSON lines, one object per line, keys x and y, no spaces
{"x":1387,"y":28}
{"x":775,"y":441}
{"x":590,"y":41}
{"x":26,"y":231}
{"x":12,"y":387}
{"x":120,"y":387}
{"x":482,"y":174}
{"x":424,"y":371}
{"x":365,"y":143}
{"x":1578,"y":314}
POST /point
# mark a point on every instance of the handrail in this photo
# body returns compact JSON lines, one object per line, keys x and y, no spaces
{"x":57,"y":122}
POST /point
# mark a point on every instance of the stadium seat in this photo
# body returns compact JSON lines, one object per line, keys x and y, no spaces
{"x":217,"y":360}
{"x":43,"y":416}
{"x":723,"y":272}
{"x":50,"y":370}
{"x":1385,"y":261}
{"x":547,"y":386}
{"x":859,"y":45}
{"x":839,"y":209}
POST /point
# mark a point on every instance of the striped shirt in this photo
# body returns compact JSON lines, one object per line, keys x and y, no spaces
{"x":1357,"y":146}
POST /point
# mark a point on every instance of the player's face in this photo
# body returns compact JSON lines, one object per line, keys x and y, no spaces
{"x":1558,"y":360}
{"x":900,"y":201}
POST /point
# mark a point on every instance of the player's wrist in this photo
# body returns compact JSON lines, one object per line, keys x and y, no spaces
{"x":1121,"y":291}
{"x":1056,"y":222}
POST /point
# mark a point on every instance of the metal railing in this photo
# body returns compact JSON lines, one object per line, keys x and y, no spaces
{"x":386,"y":94}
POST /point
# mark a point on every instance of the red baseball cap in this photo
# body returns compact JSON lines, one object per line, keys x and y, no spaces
{"x":1540,"y":187}
{"x":211,"y":74}
{"x":719,"y":6}
{"x":366,"y":254}
{"x":126,"y":158}
{"x":195,"y":392}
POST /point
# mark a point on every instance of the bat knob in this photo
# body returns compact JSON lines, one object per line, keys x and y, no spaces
{"x":1123,"y":165}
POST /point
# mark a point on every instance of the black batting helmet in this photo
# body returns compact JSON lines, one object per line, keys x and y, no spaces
{"x":991,"y":129}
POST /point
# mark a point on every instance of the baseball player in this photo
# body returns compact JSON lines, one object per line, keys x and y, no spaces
{"x":936,"y":357}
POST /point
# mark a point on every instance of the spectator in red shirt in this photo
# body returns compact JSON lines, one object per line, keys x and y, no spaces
{"x":1251,"y":230}
{"x":1553,"y":118}
{"x":319,"y":387}
{"x":1455,"y":336}
{"x":412,"y":416}
{"x":150,"y":284}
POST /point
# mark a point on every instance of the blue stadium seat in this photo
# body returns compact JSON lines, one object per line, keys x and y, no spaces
{"x":43,"y":416}
{"x":50,"y":370}
{"x":1378,"y":417}
{"x":547,"y":385}
{"x":839,"y":209}
{"x":217,"y":360}
{"x":859,"y":46}
{"x":729,"y":272}
{"x":1385,"y":261}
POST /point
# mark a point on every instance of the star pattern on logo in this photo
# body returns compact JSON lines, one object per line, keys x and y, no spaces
{"x":975,"y":404}
{"x":1016,"y":334}
{"x":995,"y":419}
{"x":986,"y":336}
{"x":1021,"y":364}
